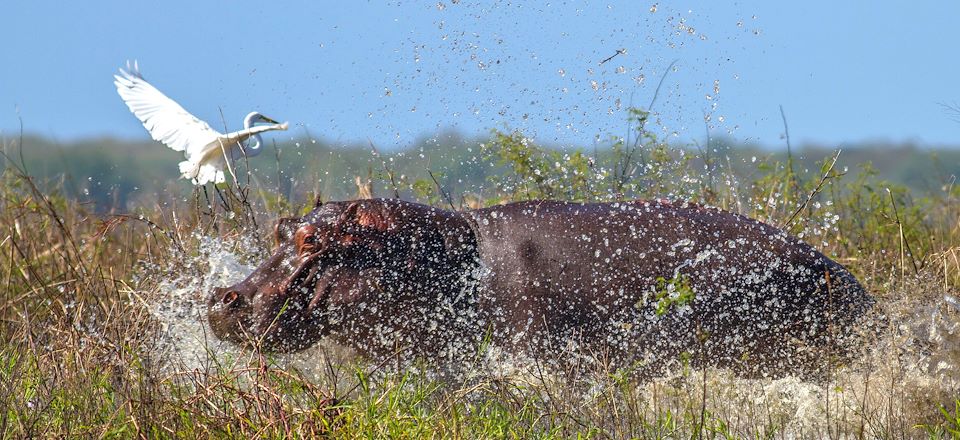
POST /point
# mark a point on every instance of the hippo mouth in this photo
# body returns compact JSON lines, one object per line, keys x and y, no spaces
{"x":304,"y":276}
{"x":309,"y":285}
{"x":252,"y":319}
{"x":301,"y":317}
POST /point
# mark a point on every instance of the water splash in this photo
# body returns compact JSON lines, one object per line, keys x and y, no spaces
{"x":179,"y":306}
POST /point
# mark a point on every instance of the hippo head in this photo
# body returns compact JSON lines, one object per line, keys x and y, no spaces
{"x":343,"y":265}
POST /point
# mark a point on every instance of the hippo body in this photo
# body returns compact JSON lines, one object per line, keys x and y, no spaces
{"x":628,"y":283}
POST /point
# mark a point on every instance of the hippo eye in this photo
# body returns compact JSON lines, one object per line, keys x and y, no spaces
{"x":307,"y":241}
{"x":308,"y":244}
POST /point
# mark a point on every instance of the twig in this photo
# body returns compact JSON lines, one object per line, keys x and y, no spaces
{"x":953,"y":110}
{"x":823,"y":179}
{"x":707,"y":160}
{"x":390,"y":175}
{"x":382,"y":363}
{"x":276,"y":155}
{"x":626,"y":170}
{"x":116,"y":219}
{"x":660,"y":84}
{"x":786,"y":134}
{"x":701,"y":335}
{"x":904,"y":244}
{"x":619,"y":52}
{"x":21,"y":171}
{"x":440,"y":189}
{"x":242,"y":191}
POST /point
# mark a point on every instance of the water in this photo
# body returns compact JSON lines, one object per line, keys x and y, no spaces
{"x":180,"y":306}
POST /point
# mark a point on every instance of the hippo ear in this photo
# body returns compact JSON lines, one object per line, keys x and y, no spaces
{"x":318,"y":203}
{"x":367,"y":216}
{"x":285,"y":228}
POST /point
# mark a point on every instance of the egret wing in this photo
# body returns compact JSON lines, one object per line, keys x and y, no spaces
{"x":166,"y":120}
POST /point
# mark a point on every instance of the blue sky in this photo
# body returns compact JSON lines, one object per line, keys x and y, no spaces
{"x":395,"y":72}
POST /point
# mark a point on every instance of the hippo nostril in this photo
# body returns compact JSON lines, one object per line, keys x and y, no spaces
{"x":230,"y":297}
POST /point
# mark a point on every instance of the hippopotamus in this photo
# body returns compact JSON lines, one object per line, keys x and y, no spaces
{"x":621,"y":284}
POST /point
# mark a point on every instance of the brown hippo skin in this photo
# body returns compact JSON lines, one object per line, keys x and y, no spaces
{"x":571,"y":281}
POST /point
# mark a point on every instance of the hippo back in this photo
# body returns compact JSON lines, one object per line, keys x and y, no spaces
{"x":651,"y":280}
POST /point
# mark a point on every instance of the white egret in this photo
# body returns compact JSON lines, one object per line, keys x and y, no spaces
{"x":205,"y":149}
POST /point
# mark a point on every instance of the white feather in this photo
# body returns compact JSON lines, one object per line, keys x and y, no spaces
{"x":166,"y":120}
{"x":171,"y":124}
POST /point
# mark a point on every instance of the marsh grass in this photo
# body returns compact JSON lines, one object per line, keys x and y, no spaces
{"x":82,"y":346}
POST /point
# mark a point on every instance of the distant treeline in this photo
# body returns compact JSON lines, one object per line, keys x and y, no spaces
{"x":119,"y":176}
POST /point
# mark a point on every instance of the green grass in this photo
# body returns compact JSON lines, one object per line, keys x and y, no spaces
{"x":79,"y":345}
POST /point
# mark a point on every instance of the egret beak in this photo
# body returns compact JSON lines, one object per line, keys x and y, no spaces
{"x":264,"y":118}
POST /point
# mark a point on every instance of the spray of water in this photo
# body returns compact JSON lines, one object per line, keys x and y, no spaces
{"x":179,"y":306}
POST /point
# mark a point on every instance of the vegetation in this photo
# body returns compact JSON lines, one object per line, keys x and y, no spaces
{"x":88,"y":343}
{"x":107,"y":175}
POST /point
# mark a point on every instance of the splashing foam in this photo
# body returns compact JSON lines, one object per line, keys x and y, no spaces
{"x":180,"y":306}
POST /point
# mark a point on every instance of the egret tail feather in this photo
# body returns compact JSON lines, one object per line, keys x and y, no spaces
{"x":200,"y":173}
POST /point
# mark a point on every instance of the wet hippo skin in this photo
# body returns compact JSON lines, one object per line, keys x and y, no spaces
{"x":640,"y":283}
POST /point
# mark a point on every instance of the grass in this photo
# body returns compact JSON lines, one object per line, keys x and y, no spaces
{"x":84,"y":351}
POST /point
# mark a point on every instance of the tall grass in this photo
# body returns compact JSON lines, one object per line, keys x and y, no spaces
{"x":84,"y":352}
